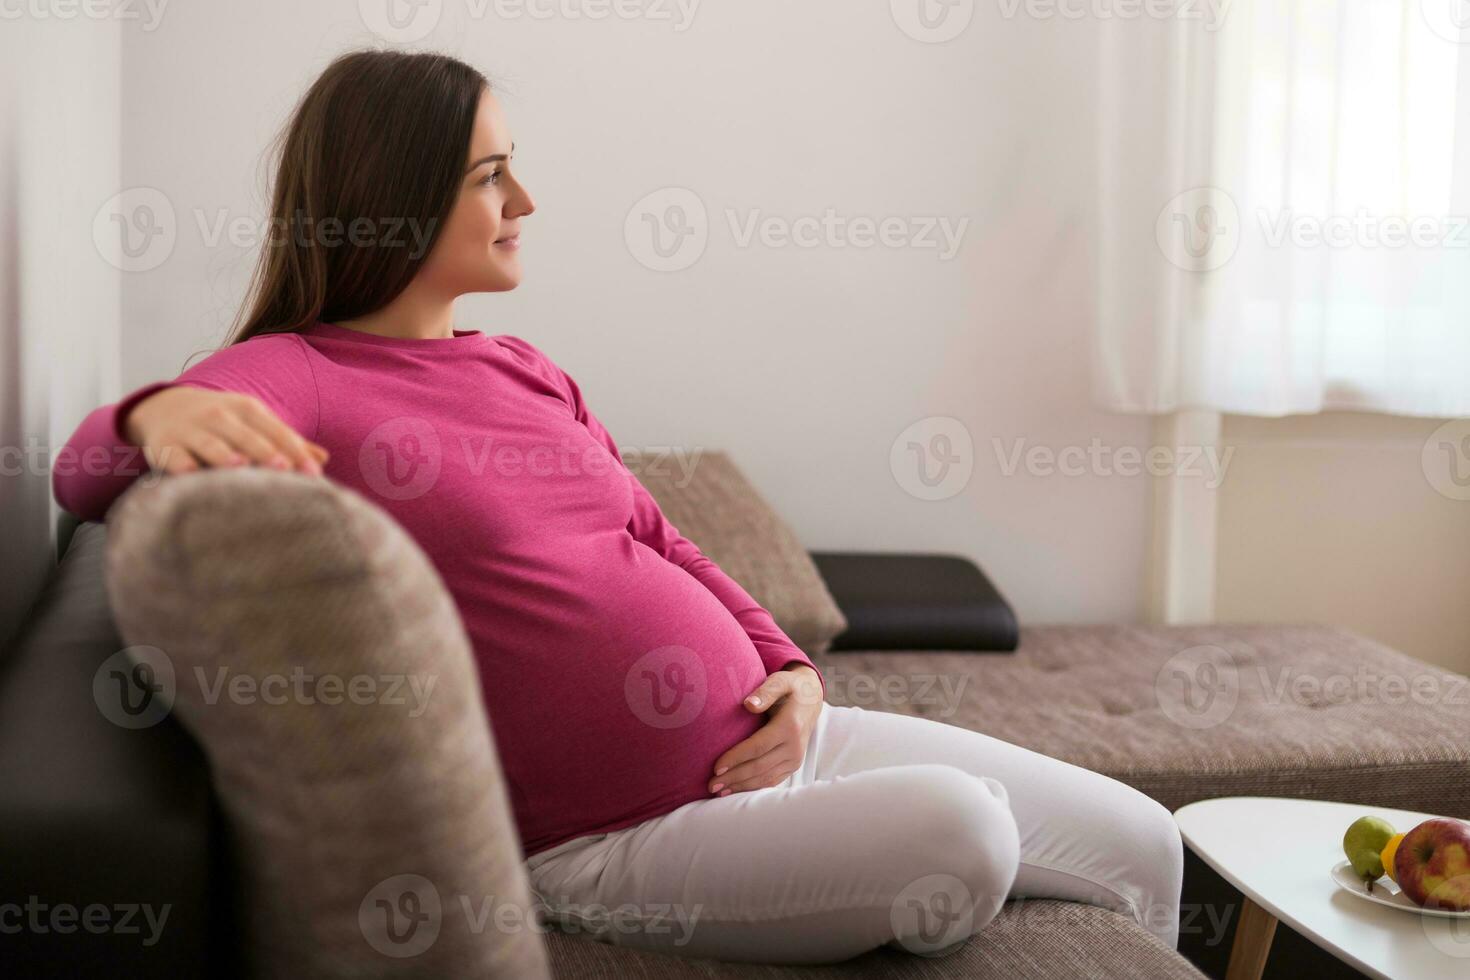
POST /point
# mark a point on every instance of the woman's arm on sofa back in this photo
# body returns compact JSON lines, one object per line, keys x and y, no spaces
{"x":247,"y":403}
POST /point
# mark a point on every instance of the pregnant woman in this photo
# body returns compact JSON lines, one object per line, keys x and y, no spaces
{"x":668,"y":751}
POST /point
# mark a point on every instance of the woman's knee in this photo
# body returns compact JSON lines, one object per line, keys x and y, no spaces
{"x":967,"y":856}
{"x":964,"y":824}
{"x":1157,"y":866}
{"x":1161,"y":840}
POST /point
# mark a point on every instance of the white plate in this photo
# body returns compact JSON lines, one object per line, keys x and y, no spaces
{"x":1385,"y":892}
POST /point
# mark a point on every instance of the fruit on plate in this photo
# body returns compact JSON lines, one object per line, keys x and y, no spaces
{"x":1387,"y":856}
{"x":1364,"y":843}
{"x":1432,"y":865}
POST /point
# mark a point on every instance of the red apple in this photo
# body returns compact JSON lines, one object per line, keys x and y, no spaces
{"x":1433,"y":864}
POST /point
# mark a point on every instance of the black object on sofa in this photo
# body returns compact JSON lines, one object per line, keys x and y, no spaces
{"x":106,"y":830}
{"x":916,"y":602}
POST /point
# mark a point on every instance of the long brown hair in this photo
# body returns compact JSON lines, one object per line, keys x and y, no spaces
{"x":380,"y":137}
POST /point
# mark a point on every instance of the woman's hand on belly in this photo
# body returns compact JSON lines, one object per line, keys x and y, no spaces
{"x":791,"y":700}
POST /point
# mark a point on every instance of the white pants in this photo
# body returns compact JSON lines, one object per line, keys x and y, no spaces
{"x":896,"y":830}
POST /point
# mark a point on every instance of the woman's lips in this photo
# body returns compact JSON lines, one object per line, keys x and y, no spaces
{"x":511,"y":243}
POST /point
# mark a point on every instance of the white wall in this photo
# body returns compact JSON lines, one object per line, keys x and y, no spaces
{"x":805,"y":364}
{"x":59,"y":294}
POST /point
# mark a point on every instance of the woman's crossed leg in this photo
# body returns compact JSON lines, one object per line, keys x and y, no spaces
{"x":896,"y":830}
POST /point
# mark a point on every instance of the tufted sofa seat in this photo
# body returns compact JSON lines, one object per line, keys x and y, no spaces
{"x":1190,"y":713}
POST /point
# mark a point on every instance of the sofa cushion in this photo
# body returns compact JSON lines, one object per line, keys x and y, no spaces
{"x":308,"y":644}
{"x":1190,"y":713}
{"x":1028,"y":940}
{"x":711,"y":502}
{"x":896,"y":601}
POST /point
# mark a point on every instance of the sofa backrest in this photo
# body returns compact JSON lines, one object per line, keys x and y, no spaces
{"x":712,"y":503}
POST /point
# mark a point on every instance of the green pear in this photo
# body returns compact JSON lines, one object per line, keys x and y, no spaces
{"x":1363,"y":844}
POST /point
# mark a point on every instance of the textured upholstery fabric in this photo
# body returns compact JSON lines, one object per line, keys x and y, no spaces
{"x":1298,"y":711}
{"x":711,"y":502}
{"x":1029,"y":940}
{"x":254,"y":574}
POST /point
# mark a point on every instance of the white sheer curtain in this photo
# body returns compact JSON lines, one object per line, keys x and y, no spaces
{"x":1283,"y":211}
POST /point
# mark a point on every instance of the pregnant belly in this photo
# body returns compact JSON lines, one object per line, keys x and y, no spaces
{"x":615,"y":708}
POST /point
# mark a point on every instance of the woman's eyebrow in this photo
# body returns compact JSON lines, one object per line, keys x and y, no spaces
{"x":491,"y":158}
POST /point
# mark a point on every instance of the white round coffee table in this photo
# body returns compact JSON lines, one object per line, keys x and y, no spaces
{"x":1280,"y":854}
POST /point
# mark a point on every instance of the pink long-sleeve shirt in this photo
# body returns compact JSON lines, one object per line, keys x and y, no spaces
{"x":613,"y":655}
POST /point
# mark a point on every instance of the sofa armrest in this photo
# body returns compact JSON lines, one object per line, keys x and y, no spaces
{"x":310,"y":646}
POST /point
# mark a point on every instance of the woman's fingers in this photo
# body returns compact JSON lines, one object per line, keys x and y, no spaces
{"x":765,"y":770}
{"x":172,"y":458}
{"x":251,"y":442}
{"x":296,"y":451}
{"x":214,"y":451}
{"x":765,"y":739}
{"x":261,"y":448}
{"x":183,"y":428}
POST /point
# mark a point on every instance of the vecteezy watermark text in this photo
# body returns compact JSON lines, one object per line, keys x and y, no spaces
{"x":669,"y":229}
{"x":1209,"y":14}
{"x":403,"y":22}
{"x":402,"y":916}
{"x":1095,"y":459}
{"x":137,"y":688}
{"x":120,"y":10}
{"x":63,"y":918}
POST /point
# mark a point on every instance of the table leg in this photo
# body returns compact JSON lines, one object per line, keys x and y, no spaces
{"x":1253,"y":935}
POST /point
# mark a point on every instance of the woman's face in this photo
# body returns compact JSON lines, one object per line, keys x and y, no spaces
{"x":479,"y":249}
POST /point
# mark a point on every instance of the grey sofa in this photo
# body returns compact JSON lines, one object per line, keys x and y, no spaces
{"x":95,"y":813}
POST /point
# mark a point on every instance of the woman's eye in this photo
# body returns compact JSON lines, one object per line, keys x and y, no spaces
{"x":491,"y":178}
